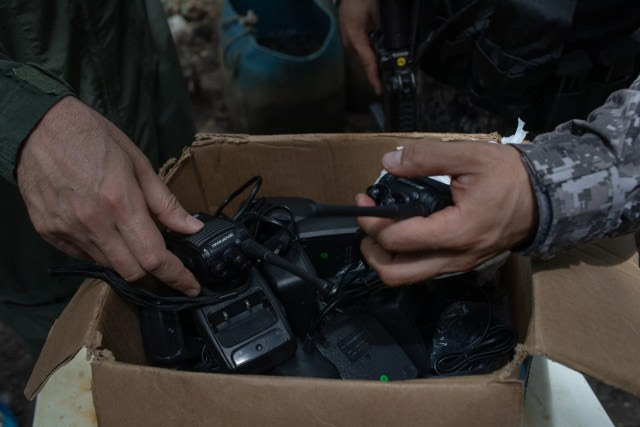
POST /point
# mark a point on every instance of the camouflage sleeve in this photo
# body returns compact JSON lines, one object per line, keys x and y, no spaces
{"x":586,"y":175}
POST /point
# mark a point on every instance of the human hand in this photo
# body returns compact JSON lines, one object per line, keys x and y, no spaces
{"x":357,"y":19}
{"x":90,"y":192}
{"x":494,"y":209}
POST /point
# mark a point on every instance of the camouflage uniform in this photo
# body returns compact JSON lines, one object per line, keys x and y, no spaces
{"x":586,"y":175}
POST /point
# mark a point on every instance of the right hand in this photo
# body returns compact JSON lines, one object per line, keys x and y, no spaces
{"x":90,"y":192}
{"x":357,"y":19}
{"x":494,"y":209}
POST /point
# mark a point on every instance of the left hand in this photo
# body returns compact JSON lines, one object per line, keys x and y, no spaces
{"x":494,"y":208}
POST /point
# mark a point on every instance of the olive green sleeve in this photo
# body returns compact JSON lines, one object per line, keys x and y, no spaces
{"x":27,"y":92}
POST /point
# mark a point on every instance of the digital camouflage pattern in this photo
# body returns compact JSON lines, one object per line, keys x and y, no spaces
{"x":586,"y":175}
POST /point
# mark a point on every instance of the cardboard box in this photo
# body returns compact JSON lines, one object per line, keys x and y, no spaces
{"x":581,"y":309}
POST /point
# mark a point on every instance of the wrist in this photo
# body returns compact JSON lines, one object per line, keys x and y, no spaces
{"x":527,"y":203}
{"x":538,"y":233}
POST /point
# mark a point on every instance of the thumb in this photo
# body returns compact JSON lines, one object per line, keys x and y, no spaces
{"x":368,"y":59}
{"x":164,"y":205}
{"x":434,"y":158}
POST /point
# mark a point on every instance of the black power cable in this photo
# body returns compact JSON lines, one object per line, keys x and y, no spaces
{"x":138,"y":295}
{"x":256,"y":250}
{"x":394,"y":211}
{"x":257,"y":183}
{"x":498,"y":341}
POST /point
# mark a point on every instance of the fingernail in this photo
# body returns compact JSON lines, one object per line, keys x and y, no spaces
{"x":193,"y":292}
{"x":194,"y":222}
{"x":359,"y":197}
{"x":392,"y":160}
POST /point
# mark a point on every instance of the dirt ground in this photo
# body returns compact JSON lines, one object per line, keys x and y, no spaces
{"x":193,"y":24}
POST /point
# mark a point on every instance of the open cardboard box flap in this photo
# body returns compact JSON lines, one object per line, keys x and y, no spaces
{"x":582,"y":311}
{"x":586,"y":311}
{"x":75,"y":328}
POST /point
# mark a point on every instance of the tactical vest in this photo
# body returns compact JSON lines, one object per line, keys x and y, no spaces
{"x":547,"y":61}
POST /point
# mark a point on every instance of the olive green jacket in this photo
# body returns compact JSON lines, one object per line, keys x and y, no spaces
{"x":117,"y":56}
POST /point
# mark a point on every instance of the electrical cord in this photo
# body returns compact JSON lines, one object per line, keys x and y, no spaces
{"x":257,"y":183}
{"x":498,"y":341}
{"x":350,"y":290}
{"x":495,"y":341}
{"x":292,"y":218}
{"x":138,"y":295}
{"x":394,"y":211}
{"x":250,"y":217}
{"x":207,"y":363}
{"x":253,"y":248}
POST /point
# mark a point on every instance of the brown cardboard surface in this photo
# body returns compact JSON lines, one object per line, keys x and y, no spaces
{"x":515,"y":274}
{"x":183,"y":176}
{"x":586,"y":312}
{"x":261,"y":400}
{"x":120,"y":330}
{"x":581,"y":309}
{"x":75,"y":328}
{"x":324,"y":163}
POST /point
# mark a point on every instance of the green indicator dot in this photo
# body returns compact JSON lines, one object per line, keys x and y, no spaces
{"x":384,"y":378}
{"x":324,"y":255}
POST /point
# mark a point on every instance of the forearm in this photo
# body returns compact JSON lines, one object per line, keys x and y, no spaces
{"x":586,"y":175}
{"x":26,"y":94}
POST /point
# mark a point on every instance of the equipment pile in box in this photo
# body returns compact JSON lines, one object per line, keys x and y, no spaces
{"x":579,"y":309}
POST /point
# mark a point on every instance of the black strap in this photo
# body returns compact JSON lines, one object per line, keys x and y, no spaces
{"x":136,"y":294}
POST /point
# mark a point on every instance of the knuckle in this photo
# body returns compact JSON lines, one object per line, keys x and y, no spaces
{"x":133,"y":275}
{"x":113,"y":198}
{"x":389,"y":277}
{"x":145,"y":163}
{"x":87,"y":214}
{"x":41,"y":226}
{"x":153,"y":262}
{"x":130,"y":271}
{"x":60,"y":226}
{"x":391,"y":242}
{"x":171,"y":202}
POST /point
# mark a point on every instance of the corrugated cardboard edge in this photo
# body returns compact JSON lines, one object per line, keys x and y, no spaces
{"x":171,"y":166}
{"x":76,"y":327}
{"x":205,"y":160}
{"x":586,"y":313}
{"x":214,"y":138}
{"x":248,"y":400}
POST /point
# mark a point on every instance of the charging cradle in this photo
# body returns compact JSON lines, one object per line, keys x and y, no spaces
{"x":249,"y":333}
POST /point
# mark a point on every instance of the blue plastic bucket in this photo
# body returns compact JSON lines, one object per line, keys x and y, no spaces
{"x":283,"y":72}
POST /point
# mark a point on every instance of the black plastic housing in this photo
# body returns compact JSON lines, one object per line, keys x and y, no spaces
{"x":330,"y":243}
{"x":170,"y":338}
{"x":213,"y":253}
{"x":390,"y":189}
{"x":399,"y":311}
{"x":361,"y":348}
{"x":298,"y":297}
{"x":249,"y":333}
